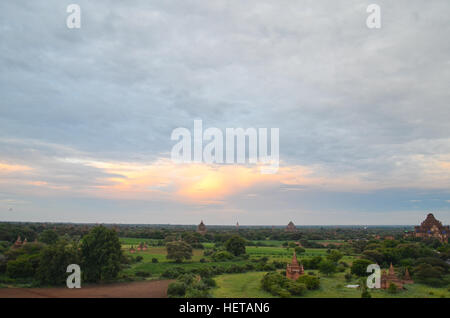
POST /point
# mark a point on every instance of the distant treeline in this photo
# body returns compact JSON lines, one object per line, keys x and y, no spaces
{"x":9,"y":231}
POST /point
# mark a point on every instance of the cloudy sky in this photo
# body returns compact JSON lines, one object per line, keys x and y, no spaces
{"x":86,"y":114}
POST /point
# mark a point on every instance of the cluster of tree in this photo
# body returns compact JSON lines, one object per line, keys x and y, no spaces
{"x":208,"y":270}
{"x":191,"y":286}
{"x":326,"y":265}
{"x":45,"y":262}
{"x":216,"y":234}
{"x":427,"y":261}
{"x":182,"y":250}
{"x":278,"y":285}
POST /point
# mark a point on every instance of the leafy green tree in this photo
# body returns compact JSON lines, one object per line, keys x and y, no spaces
{"x":48,"y":237}
{"x":235,"y":245}
{"x":392,"y":289}
{"x":292,"y":244}
{"x":221,"y":256}
{"x":178,"y":250}
{"x":334,"y":256}
{"x":365,"y":292}
{"x":299,"y":250}
{"x":359,"y":267}
{"x":176,"y":289}
{"x":54,"y":261}
{"x":311,"y":282}
{"x":327,"y":267}
{"x":101,"y":255}
{"x":20,"y":267}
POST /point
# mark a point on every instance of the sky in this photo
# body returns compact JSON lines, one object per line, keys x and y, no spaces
{"x":86,"y":114}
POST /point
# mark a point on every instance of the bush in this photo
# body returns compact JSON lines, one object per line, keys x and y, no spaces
{"x":20,"y":268}
{"x":284,"y":293}
{"x":359,"y":267}
{"x":176,"y":289}
{"x":178,"y":251}
{"x":311,"y":282}
{"x":173,"y":272}
{"x":143,"y":274}
{"x":139,"y":258}
{"x":101,"y":255}
{"x":327,"y":267}
{"x":209,"y":282}
{"x":392,"y":289}
{"x":54,"y":260}
{"x":197,"y":293}
{"x":296,"y":288}
{"x":348,"y":277}
{"x":154,"y":260}
{"x":235,"y":245}
{"x":279,"y":285}
{"x":222,"y":256}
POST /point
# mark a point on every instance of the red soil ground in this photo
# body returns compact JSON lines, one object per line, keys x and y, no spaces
{"x":152,"y":289}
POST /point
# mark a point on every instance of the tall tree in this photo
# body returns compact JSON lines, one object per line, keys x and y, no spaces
{"x":178,"y":250}
{"x":54,"y":261}
{"x":235,"y":245}
{"x":101,"y":255}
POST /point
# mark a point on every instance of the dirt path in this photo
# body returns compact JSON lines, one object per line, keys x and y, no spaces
{"x":152,"y":289}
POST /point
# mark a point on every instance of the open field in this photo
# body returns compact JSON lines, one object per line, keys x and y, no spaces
{"x":273,"y":253}
{"x":248,"y":285}
{"x":149,"y":289}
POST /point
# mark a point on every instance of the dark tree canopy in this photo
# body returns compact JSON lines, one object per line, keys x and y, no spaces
{"x":235,"y":245}
{"x":54,"y":261}
{"x":101,"y":255}
{"x":359,"y":267}
{"x":178,"y":250}
{"x":48,"y":237}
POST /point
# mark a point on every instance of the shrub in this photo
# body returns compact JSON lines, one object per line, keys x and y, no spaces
{"x":209,"y":282}
{"x":235,"y":245}
{"x":359,"y":267}
{"x":20,"y":267}
{"x":296,"y":288}
{"x":222,"y":256}
{"x":197,"y":293}
{"x":54,"y":260}
{"x":139,"y":258}
{"x":392,"y":289}
{"x":143,"y":274}
{"x":284,"y":293}
{"x":311,"y":282}
{"x":101,"y":255}
{"x":178,"y":251}
{"x":154,"y":260}
{"x":173,"y":272}
{"x":348,"y":277}
{"x":176,"y":289}
{"x":327,"y":267}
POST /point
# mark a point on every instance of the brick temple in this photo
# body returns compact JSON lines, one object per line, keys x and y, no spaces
{"x":431,"y":228}
{"x":201,"y":228}
{"x":291,"y":227}
{"x":389,"y":277}
{"x":294,"y":270}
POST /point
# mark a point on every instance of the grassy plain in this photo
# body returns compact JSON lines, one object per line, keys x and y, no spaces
{"x":248,"y":285}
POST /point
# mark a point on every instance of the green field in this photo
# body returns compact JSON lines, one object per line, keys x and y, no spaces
{"x":240,"y":286}
{"x":248,"y":285}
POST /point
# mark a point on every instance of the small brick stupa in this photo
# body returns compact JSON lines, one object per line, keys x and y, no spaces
{"x":294,"y":270}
